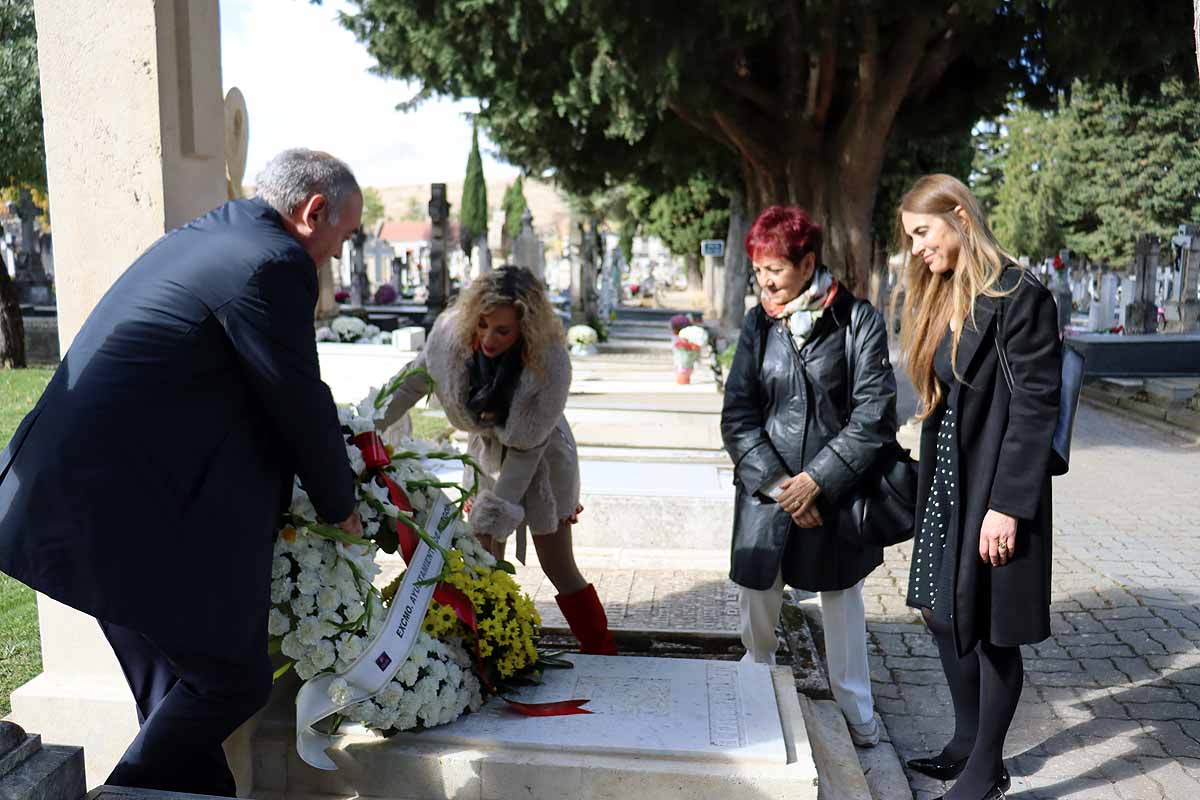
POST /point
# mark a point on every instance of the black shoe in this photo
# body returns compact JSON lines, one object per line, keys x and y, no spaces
{"x":997,"y":792}
{"x":937,"y":769}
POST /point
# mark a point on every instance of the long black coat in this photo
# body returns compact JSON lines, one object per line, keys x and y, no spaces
{"x":145,"y":486}
{"x":1002,"y":461}
{"x":788,"y":412}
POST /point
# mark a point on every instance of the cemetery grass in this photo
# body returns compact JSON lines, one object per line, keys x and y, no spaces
{"x":20,"y":650}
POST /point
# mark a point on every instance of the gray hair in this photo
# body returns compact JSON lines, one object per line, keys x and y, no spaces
{"x":297,"y":174}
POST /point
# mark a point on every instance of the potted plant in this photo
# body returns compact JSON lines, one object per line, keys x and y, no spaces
{"x":583,"y":339}
{"x":686,"y":348}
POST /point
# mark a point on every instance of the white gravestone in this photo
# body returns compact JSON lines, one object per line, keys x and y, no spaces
{"x":705,"y":730}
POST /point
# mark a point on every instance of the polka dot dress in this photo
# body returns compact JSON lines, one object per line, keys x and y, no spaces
{"x":929,"y":582}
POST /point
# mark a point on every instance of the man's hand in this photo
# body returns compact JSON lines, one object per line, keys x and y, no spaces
{"x":798,"y":498}
{"x":352,"y":525}
{"x":997,"y":538}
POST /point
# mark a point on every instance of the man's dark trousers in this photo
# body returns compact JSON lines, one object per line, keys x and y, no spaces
{"x":187,"y":704}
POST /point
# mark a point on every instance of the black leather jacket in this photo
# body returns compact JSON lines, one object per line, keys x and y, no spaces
{"x":788,"y":412}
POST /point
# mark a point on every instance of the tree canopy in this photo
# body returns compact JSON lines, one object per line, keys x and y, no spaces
{"x":22,"y":147}
{"x":1105,"y":168}
{"x":799,"y":98}
{"x":682,"y":216}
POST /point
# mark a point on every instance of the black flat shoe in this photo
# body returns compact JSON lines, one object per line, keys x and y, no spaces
{"x":938,"y":769}
{"x":997,"y":792}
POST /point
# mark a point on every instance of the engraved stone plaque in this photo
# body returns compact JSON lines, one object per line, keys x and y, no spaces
{"x":652,"y":707}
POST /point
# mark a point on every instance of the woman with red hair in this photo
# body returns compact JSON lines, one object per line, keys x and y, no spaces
{"x":802,"y":430}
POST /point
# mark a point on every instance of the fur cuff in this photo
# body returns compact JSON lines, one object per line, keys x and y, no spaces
{"x":495,"y":516}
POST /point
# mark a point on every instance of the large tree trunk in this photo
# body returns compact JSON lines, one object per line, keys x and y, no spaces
{"x":815,"y":133}
{"x":12,"y":326}
{"x":1196,"y":30}
{"x":838,"y":188}
{"x":695,"y":278}
{"x":737,"y":268}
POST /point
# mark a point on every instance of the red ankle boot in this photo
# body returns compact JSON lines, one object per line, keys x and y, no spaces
{"x":588,"y":622}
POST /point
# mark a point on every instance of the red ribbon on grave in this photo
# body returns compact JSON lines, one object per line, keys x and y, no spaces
{"x":376,"y":457}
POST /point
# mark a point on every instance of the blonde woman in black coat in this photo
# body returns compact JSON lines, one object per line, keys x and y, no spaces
{"x":980,"y":341}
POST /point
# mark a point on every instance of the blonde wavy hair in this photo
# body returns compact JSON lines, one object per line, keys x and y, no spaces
{"x":932,"y":303}
{"x":541,"y":329}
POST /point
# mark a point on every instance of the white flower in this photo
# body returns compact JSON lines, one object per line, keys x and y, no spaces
{"x":328,"y":599}
{"x":278,"y":623}
{"x":281,"y":566}
{"x":308,"y":582}
{"x":303,"y":605}
{"x":323,"y":654}
{"x":409,"y":673}
{"x":357,"y":463}
{"x":694,"y":334}
{"x":349,"y":329}
{"x":305,"y":669}
{"x":291,"y":646}
{"x":281,"y":590}
{"x":391,"y":695}
{"x":340,"y":691}
{"x":310,"y":630}
{"x":345,"y":415}
{"x":310,"y":558}
{"x":582,"y":335}
{"x":350,"y":647}
{"x":326,"y":334}
{"x":371,"y":331}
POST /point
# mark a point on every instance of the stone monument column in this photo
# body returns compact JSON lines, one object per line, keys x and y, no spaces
{"x":439,"y":273}
{"x":134,"y":131}
{"x":1183,"y":311}
{"x":1141,"y":309}
{"x":360,"y":290}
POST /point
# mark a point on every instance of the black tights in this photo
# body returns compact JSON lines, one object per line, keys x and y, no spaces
{"x":985,"y":686}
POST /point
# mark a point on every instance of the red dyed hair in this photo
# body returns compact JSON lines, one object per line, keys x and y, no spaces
{"x":783,"y":232}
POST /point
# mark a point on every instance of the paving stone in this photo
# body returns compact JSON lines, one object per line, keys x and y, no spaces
{"x":1151,"y":711}
{"x":1149,"y":694}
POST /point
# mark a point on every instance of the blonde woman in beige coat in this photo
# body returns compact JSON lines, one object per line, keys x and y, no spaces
{"x":502,"y":373}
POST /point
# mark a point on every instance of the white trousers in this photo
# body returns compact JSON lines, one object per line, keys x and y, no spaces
{"x":845,"y":621}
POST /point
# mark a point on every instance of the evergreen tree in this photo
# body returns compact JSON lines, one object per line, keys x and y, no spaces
{"x":1134,"y":167}
{"x":373,"y":208}
{"x":683,"y":217}
{"x":514,"y":206}
{"x":472,"y":216}
{"x":22,"y":148}
{"x":1027,"y":212}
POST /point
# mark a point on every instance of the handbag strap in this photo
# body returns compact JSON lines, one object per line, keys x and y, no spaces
{"x":855,"y":317}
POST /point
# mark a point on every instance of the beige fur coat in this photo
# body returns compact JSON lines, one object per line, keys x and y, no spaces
{"x":530,"y":468}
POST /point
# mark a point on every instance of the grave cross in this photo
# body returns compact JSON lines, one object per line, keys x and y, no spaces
{"x":27,"y":211}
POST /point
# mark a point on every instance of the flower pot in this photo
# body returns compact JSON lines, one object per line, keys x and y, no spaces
{"x":683,"y":376}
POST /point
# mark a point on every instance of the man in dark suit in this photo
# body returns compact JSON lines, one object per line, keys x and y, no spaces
{"x":146,"y":485}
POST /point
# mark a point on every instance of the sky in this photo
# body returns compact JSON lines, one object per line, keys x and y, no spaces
{"x":306,"y":83}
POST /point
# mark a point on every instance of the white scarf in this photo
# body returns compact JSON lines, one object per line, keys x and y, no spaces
{"x":802,"y":313}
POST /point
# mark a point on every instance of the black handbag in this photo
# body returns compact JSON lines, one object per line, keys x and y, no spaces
{"x":881,"y":509}
{"x":1068,"y":401}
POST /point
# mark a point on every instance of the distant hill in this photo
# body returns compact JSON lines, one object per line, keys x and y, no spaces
{"x":551,"y":215}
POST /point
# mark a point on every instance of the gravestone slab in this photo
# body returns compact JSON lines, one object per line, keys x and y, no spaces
{"x":663,"y":708}
{"x":30,"y":770}
{"x":707,"y":730}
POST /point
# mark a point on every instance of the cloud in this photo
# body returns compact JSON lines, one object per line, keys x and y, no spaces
{"x":307,"y":83}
